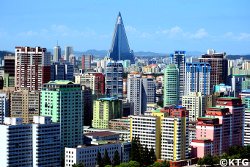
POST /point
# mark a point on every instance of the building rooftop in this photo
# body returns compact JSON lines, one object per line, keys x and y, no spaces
{"x":108,"y":98}
{"x":101,"y":134}
{"x":61,"y":82}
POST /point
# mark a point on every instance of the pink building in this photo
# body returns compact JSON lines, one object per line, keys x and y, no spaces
{"x":201,"y":147}
{"x":236,"y":108}
{"x":221,"y":128}
{"x":207,"y":129}
{"x":225,"y":119}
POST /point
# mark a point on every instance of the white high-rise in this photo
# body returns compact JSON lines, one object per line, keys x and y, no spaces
{"x":140,"y":92}
{"x":68,"y":52}
{"x":36,"y":144}
{"x":57,"y":53}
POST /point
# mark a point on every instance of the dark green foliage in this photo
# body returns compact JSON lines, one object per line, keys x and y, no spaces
{"x":116,"y":159}
{"x":152,"y":155}
{"x":106,"y":160}
{"x":78,"y":165}
{"x":234,"y":152}
{"x":99,"y":159}
{"x":146,"y":157}
{"x":165,"y":164}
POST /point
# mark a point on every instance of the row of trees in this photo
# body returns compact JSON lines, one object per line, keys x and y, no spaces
{"x":141,"y":154}
{"x":234,"y":152}
{"x":105,"y":160}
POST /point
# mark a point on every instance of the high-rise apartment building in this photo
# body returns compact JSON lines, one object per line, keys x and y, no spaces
{"x":171,"y":85}
{"x":165,"y":130}
{"x":105,"y":109}
{"x":221,"y":128}
{"x":114,"y":79}
{"x":63,"y":101}
{"x":46,"y":142}
{"x":36,"y":144}
{"x":9,"y":71}
{"x":237,"y":109}
{"x":68,"y":51}
{"x":247,"y":122}
{"x":32,"y":67}
{"x":120,"y":48}
{"x":4,"y":107}
{"x":179,"y":59}
{"x":57,"y":54}
{"x":25,"y":104}
{"x":140,"y":92}
{"x":195,"y":103}
{"x":94,"y":80}
{"x":62,"y":71}
{"x":219,"y":67}
{"x":88,"y":106}
{"x":86,"y":62}
{"x":197,"y":78}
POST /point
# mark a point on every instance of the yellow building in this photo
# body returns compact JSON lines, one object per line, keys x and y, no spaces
{"x":166,"y":130}
{"x":105,"y":109}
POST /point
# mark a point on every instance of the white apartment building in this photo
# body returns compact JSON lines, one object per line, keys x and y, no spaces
{"x":247,"y":128}
{"x":29,"y":145}
{"x":195,"y":104}
{"x":46,"y":142}
{"x":87,"y":154}
{"x":174,"y":138}
{"x":147,"y":129}
{"x":140,"y":92}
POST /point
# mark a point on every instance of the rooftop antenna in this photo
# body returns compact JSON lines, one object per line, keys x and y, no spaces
{"x":56,"y":42}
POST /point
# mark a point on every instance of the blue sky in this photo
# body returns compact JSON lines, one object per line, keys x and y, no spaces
{"x":159,"y":25}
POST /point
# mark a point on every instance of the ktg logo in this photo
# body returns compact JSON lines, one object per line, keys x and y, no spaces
{"x":234,"y":162}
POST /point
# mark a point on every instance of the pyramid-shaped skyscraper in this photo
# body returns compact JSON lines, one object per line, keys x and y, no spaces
{"x":120,"y":48}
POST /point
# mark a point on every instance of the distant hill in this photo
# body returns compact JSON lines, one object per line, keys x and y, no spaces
{"x":4,"y":53}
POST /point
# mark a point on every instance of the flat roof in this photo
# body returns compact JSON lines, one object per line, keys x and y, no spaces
{"x":101,"y":134}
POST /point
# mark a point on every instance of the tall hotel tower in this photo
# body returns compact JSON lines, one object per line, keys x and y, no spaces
{"x":179,"y":59}
{"x":197,"y":78}
{"x":120,"y":48}
{"x":32,"y":67}
{"x":219,"y":65}
{"x":171,"y":85}
{"x":57,"y":53}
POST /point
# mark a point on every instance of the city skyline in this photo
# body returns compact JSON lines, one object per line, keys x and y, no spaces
{"x":159,"y":27}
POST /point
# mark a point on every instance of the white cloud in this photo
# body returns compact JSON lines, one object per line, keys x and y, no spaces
{"x":130,"y":29}
{"x":239,"y":36}
{"x":199,"y":34}
{"x":244,"y":36}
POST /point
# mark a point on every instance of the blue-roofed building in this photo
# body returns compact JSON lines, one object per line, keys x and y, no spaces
{"x":197,"y":78}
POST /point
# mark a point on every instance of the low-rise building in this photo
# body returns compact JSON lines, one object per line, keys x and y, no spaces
{"x":87,"y":154}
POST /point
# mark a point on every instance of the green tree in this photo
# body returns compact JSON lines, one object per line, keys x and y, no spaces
{"x":108,"y":165}
{"x":133,"y":164}
{"x":152,"y":155}
{"x":78,"y":165}
{"x":106,"y":160}
{"x":116,"y":158}
{"x":165,"y":164}
{"x":99,"y":159}
{"x":145,"y":156}
{"x":135,"y":154}
{"x":124,"y":164}
{"x":156,"y":164}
